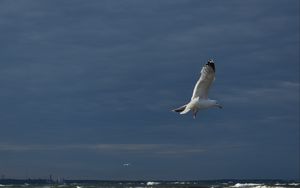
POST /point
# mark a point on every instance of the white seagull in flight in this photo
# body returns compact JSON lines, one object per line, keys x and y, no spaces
{"x":200,"y":99}
{"x":126,"y":164}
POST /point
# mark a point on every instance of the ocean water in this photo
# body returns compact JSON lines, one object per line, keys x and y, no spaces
{"x":155,"y":184}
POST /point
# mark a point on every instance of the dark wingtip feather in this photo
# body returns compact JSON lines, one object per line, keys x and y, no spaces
{"x":211,"y":64}
{"x":180,"y":109}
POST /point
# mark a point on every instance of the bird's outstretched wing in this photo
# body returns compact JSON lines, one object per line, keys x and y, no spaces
{"x":205,"y":80}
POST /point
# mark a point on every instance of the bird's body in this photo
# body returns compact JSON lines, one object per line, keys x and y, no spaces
{"x":199,"y":98}
{"x":126,"y":164}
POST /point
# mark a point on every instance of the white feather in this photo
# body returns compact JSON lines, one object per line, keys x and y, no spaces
{"x":203,"y":84}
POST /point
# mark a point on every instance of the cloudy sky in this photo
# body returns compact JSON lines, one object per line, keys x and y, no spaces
{"x":87,"y":86}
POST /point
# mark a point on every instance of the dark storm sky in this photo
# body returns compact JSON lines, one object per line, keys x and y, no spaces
{"x":87,"y":86}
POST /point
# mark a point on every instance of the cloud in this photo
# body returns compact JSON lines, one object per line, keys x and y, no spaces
{"x":277,"y":92}
{"x":156,"y":149}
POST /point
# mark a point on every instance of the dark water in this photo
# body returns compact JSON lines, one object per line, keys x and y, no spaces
{"x":148,"y":184}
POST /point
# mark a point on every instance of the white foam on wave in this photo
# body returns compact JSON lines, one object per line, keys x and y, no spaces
{"x":254,"y":185}
{"x":1,"y":185}
{"x":152,"y":183}
{"x":294,"y":184}
{"x":246,"y":185}
{"x":180,"y":183}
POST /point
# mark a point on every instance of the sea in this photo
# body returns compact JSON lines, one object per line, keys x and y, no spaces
{"x":150,"y":184}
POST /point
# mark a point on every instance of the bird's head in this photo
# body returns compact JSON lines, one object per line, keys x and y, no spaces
{"x":216,"y":104}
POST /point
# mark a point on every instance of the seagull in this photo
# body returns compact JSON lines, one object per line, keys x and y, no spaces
{"x":126,"y":164}
{"x":200,"y":99}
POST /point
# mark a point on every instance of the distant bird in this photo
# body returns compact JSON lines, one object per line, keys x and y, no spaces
{"x":126,"y":164}
{"x":200,"y":99}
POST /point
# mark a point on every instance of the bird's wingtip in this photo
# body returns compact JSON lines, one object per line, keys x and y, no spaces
{"x":211,"y":63}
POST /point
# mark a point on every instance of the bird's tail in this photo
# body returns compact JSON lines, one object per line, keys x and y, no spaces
{"x":185,"y":111}
{"x":181,"y":109}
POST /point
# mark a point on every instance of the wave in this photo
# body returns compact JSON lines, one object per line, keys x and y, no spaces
{"x":152,"y":183}
{"x":256,"y":185}
{"x":246,"y":185}
{"x":294,"y":184}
